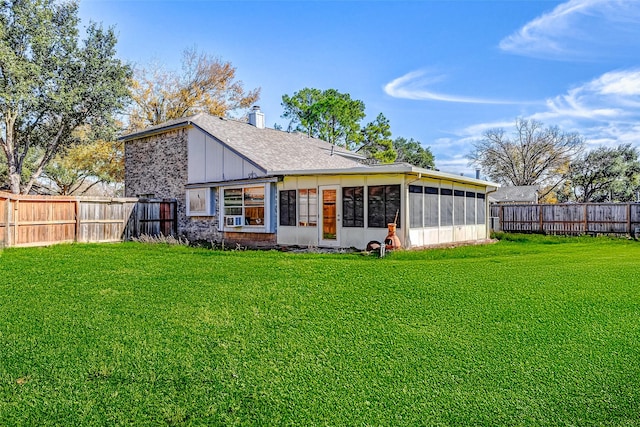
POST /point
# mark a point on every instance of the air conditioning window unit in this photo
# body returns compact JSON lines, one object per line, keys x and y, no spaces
{"x":233,"y":221}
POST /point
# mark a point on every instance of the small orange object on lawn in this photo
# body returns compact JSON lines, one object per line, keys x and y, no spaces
{"x":392,"y":241}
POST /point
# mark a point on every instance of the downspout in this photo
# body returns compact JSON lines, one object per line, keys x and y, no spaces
{"x":488,"y":209}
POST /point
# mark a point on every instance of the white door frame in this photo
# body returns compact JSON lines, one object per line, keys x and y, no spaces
{"x":322,"y":238}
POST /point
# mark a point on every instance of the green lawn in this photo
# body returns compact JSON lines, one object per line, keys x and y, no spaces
{"x":529,"y":331}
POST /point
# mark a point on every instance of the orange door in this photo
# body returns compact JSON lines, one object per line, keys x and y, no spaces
{"x":330,"y":216}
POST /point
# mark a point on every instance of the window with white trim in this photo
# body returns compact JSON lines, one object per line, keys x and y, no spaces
{"x":308,"y":202}
{"x":458,"y":208}
{"x":415,"y":206}
{"x":353,"y":206}
{"x":481,"y":209}
{"x":384,"y":205}
{"x":244,"y":206}
{"x":288,"y":207}
{"x":200,"y":202}
{"x":446,"y":207}
{"x":470,"y":209}
{"x":431,"y":207}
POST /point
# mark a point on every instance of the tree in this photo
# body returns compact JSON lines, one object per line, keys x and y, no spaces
{"x":328,"y":115}
{"x":411,"y":151}
{"x":206,"y":84}
{"x":83,"y":166}
{"x":51,"y":82}
{"x":376,"y":140}
{"x":534,"y":155}
{"x":605,"y":174}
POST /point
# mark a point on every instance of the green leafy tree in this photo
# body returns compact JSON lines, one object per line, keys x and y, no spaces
{"x":412,"y":152}
{"x":376,"y":140}
{"x":51,"y":83}
{"x":80,"y":168}
{"x":604,"y":174}
{"x":328,"y":115}
{"x":533,"y":155}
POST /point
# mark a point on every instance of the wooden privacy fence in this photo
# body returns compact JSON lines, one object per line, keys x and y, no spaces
{"x":44,"y":220}
{"x":579,"y":218}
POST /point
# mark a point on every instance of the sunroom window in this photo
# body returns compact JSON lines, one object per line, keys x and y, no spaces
{"x":308,"y":207}
{"x":384,"y":205}
{"x":353,"y":207}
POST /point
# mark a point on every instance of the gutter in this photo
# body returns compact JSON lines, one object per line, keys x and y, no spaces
{"x":227,"y":183}
{"x":390,"y":170}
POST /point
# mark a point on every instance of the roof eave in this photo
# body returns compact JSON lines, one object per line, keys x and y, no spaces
{"x":399,"y":169}
{"x":157,"y":131}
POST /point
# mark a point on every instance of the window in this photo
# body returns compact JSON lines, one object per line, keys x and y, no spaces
{"x":384,"y":205}
{"x":353,"y":207}
{"x":470,"y":208}
{"x":446,"y":206}
{"x":254,"y":206}
{"x":288,"y":207}
{"x":308,"y":207}
{"x":415,"y":206}
{"x":245,"y":205}
{"x":431,"y":208}
{"x":200,"y":202}
{"x":482,"y":209}
{"x":458,"y":209}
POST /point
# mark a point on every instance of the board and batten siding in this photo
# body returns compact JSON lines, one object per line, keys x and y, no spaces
{"x":211,"y":161}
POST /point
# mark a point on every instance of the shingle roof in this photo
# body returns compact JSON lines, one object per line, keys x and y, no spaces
{"x":516,"y":194}
{"x":272,"y":150}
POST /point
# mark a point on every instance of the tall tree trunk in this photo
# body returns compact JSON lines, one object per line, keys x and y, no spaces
{"x":9,"y":147}
{"x":14,"y":183}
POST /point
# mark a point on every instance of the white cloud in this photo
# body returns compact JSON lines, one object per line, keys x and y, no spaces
{"x":605,"y":110}
{"x":412,"y":86}
{"x":624,"y":83}
{"x":579,"y":28}
{"x":612,"y":97}
{"x":480,"y":128}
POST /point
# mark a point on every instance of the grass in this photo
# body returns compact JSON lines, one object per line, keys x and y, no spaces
{"x":529,"y":331}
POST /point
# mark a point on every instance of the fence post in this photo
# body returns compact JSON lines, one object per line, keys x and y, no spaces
{"x":541,"y":226}
{"x":16,"y":215}
{"x":77,"y":212}
{"x":629,"y":219}
{"x":586,"y":218}
{"x":8,"y":232}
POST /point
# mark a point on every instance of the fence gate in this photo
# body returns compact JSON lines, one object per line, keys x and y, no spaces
{"x":153,"y":217}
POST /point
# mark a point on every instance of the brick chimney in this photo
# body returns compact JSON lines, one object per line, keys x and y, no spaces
{"x":256,"y":117}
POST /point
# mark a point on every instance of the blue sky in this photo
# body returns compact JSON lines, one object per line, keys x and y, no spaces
{"x":442,"y":72}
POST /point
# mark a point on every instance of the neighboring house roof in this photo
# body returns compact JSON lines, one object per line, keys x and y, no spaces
{"x":272,"y":150}
{"x":516,"y":194}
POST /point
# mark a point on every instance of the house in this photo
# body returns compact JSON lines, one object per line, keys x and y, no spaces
{"x":243,"y":183}
{"x":520,"y":194}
